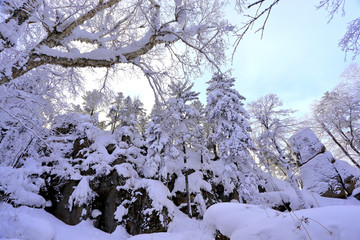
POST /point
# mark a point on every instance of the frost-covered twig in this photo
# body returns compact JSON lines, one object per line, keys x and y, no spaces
{"x":25,"y":126}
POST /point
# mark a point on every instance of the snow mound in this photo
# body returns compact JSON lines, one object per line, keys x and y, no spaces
{"x":36,"y":224}
{"x":20,"y":188}
{"x":336,"y":219}
{"x":240,"y":221}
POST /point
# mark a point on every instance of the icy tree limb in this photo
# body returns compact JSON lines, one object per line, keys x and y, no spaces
{"x":25,"y":126}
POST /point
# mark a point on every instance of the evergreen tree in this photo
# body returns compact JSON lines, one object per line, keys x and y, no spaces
{"x":126,"y":112}
{"x":180,"y":122}
{"x":230,"y":135}
{"x":115,"y":111}
{"x":139,"y":115}
{"x":156,"y":141}
{"x":93,"y":101}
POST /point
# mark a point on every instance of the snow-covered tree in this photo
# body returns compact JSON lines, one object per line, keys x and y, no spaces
{"x":183,"y":130}
{"x":125,"y":112}
{"x":125,"y":126}
{"x":231,"y":134}
{"x":115,"y":111}
{"x":273,"y":127}
{"x":350,"y":42}
{"x":139,"y":35}
{"x":157,"y":140}
{"x":338,"y":114}
{"x":25,"y":109}
{"x":138,"y":111}
{"x":92,"y":102}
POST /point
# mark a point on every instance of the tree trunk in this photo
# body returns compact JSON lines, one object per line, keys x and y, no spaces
{"x":112,"y":128}
{"x":216,"y":157}
{"x":186,"y":173}
{"x":348,"y":141}
{"x":339,"y":145}
{"x":294,"y":184}
{"x":290,"y":173}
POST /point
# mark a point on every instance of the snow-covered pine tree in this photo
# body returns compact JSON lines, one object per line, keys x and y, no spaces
{"x":202,"y":127}
{"x":139,"y":115}
{"x":230,"y":134}
{"x":126,"y":112}
{"x":93,"y":100}
{"x":156,"y":141}
{"x":184,"y":132}
{"x":127,"y":133}
{"x":114,"y":111}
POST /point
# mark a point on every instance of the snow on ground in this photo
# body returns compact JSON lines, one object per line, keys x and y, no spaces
{"x":239,"y":221}
{"x":335,"y":219}
{"x":37,"y":224}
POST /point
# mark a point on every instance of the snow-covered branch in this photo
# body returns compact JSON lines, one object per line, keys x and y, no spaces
{"x":105,"y":33}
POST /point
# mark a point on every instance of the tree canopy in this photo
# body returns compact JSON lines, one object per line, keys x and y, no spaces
{"x":160,"y":38}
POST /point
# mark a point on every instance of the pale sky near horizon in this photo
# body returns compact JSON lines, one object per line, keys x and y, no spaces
{"x":298,"y":58}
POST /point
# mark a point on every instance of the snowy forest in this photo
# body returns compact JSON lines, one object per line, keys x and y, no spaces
{"x":96,"y":164}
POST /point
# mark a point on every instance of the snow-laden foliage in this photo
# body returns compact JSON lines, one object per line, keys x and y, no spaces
{"x":126,"y":171}
{"x":26,"y":108}
{"x":119,"y":176}
{"x":82,"y":194}
{"x":174,"y":132}
{"x":144,"y":35}
{"x":156,"y":141}
{"x":230,"y":134}
{"x":125,"y":112}
{"x":92,"y":101}
{"x":190,"y":157}
{"x":272,"y":127}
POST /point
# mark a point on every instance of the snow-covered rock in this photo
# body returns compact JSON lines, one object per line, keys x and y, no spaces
{"x":306,"y":145}
{"x":320,"y":171}
{"x":349,"y":175}
{"x":356,"y":193}
{"x":320,"y":175}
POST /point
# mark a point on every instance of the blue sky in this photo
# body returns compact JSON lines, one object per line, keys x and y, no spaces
{"x":298,"y":58}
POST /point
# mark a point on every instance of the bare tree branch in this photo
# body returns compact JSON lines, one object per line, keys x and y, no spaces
{"x":253,"y":19}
